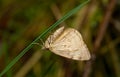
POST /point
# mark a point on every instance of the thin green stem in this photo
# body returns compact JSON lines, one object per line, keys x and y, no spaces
{"x":41,"y":36}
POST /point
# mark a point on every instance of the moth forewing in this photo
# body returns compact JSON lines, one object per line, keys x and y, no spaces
{"x":68,"y":43}
{"x":52,"y":37}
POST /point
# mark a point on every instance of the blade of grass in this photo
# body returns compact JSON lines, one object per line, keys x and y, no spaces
{"x":41,"y":36}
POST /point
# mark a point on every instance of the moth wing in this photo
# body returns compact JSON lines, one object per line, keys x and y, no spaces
{"x":71,"y":45}
{"x":52,"y":37}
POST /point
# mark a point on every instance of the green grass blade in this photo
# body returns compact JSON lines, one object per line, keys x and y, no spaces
{"x":41,"y":36}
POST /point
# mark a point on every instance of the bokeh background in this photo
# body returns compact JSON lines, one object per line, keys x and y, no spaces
{"x":21,"y":21}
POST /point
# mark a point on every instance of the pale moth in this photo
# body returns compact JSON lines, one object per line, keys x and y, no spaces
{"x":68,"y":43}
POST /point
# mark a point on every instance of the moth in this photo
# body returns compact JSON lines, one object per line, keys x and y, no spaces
{"x":68,"y":43}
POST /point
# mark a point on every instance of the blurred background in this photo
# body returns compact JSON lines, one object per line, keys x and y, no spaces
{"x":21,"y":21}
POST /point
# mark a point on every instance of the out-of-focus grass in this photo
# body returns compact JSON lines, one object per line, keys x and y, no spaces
{"x":41,"y":36}
{"x":23,"y":20}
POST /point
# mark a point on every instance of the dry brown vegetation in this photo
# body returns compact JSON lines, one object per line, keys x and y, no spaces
{"x":21,"y":21}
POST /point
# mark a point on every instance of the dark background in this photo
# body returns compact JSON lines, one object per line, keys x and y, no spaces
{"x":21,"y":21}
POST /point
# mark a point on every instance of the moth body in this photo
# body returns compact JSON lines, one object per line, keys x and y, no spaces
{"x":68,"y":43}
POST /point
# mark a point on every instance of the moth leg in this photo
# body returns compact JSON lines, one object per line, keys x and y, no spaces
{"x":39,"y":43}
{"x":42,"y":42}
